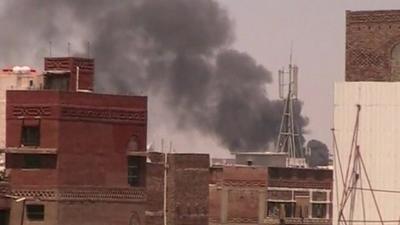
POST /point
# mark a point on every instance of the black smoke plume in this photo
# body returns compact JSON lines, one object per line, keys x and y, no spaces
{"x":318,"y":153}
{"x":175,"y":50}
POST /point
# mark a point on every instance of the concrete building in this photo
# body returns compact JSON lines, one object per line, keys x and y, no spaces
{"x":372,"y":72}
{"x":274,"y":195}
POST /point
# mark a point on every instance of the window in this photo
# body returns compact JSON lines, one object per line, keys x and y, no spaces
{"x":396,"y":63}
{"x":135,"y":166}
{"x":30,"y":136}
{"x":318,"y":210}
{"x":281,"y":209}
{"x":30,"y":84}
{"x":31,"y":161}
{"x":35,"y":212}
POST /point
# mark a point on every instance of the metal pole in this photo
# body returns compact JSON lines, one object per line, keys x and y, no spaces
{"x":165,"y":183}
{"x":23,"y":212}
{"x":77,"y":79}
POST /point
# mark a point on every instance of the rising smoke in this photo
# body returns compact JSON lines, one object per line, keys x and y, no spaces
{"x":318,"y":153}
{"x":175,"y":50}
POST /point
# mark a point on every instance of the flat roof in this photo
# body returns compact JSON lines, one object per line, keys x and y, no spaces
{"x":260,"y":153}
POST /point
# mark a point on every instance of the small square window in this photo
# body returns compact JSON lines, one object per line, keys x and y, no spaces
{"x":318,"y":210}
{"x":30,"y":136}
{"x":35,"y":212}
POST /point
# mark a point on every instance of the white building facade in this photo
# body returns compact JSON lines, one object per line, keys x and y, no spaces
{"x":379,"y":145}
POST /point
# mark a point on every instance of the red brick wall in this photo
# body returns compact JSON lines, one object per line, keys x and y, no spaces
{"x":216,"y":174}
{"x":370,"y":38}
{"x":235,"y":194}
{"x":244,"y":176}
{"x":215,"y":204}
{"x":188,"y":189}
{"x":155,"y":193}
{"x":100,"y":213}
{"x":243,"y":205}
{"x":90,"y":133}
{"x":300,"y":178}
{"x":86,"y":70}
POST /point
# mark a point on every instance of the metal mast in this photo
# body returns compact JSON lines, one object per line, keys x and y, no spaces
{"x":289,"y":138}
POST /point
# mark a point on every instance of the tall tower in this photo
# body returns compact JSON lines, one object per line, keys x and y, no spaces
{"x":289,"y":136}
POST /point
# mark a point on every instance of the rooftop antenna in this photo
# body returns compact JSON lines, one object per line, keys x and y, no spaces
{"x":88,"y":49}
{"x":69,"y":48}
{"x":165,"y":182}
{"x":50,"y":46}
{"x":289,"y":137}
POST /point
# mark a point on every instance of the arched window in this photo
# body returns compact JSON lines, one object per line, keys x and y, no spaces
{"x":395,"y":61}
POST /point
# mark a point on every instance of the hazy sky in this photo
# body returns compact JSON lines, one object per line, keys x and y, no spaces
{"x":265,"y":29}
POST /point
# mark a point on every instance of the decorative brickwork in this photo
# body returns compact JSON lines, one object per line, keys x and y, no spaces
{"x":44,"y":194}
{"x":31,"y":111}
{"x":244,"y":183}
{"x":103,"y":114}
{"x":83,"y":194}
{"x":67,"y":63}
{"x":102,"y":194}
{"x":370,"y":39}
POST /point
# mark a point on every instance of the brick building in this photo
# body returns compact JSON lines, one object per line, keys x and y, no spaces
{"x":77,"y":157}
{"x":372,"y":45}
{"x":299,"y":196}
{"x":274,"y":195}
{"x":186,"y":192}
{"x":237,"y":195}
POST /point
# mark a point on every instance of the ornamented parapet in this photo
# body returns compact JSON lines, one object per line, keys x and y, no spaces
{"x":79,"y":113}
{"x":31,"y":111}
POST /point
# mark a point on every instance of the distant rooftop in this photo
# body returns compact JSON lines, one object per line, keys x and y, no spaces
{"x":260,"y":153}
